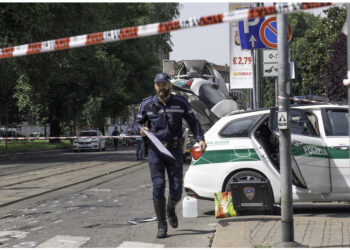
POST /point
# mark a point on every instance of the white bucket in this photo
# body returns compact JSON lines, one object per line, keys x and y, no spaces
{"x":189,"y":207}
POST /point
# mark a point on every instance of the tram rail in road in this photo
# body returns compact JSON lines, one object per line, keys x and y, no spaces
{"x":38,"y":184}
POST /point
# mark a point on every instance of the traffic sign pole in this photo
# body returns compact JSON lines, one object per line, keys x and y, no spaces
{"x":285,"y":137}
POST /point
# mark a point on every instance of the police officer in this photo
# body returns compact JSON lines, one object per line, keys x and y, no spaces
{"x":163,"y":115}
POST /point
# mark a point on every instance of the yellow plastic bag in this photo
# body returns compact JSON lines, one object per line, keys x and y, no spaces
{"x":223,"y":205}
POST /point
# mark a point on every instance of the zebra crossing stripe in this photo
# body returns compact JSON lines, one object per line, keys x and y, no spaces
{"x":64,"y":241}
{"x":134,"y":244}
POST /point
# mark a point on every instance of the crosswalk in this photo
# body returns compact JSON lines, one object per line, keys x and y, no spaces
{"x":134,"y":244}
{"x":63,"y":241}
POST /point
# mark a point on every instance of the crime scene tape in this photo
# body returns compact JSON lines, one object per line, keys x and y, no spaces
{"x":153,"y":29}
{"x":299,"y":99}
{"x":65,"y":137}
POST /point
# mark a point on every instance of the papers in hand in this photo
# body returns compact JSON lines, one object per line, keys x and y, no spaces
{"x":157,"y":143}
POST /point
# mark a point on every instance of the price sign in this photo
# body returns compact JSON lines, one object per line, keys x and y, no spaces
{"x":242,"y":60}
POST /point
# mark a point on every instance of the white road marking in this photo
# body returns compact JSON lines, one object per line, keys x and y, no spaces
{"x":84,"y":212}
{"x":36,"y":228}
{"x":26,"y":244}
{"x":58,"y":221}
{"x":58,"y":212}
{"x":134,"y":244}
{"x":115,"y":200}
{"x":13,"y":234}
{"x":32,"y":222}
{"x":66,"y":241}
{"x":99,"y":200}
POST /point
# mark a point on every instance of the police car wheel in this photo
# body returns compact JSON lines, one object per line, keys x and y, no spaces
{"x":243,"y":175}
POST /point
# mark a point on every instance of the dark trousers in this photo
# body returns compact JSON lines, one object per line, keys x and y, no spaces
{"x":158,"y":164}
{"x":139,"y":149}
{"x":115,"y":141}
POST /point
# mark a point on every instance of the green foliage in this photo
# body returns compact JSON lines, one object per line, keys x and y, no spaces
{"x":33,"y":145}
{"x":301,"y":23}
{"x":84,"y":85}
{"x":335,"y":71}
{"x":318,"y":50}
{"x":318,"y":43}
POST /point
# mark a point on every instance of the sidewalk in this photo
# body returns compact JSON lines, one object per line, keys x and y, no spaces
{"x":264,"y":231}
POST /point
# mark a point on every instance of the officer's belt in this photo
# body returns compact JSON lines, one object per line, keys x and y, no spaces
{"x":176,"y":144}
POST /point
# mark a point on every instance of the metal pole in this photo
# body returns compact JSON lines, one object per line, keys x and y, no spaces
{"x":258,"y":78}
{"x":276,"y":91}
{"x":257,"y":75}
{"x":285,"y":138}
{"x":254,"y":77}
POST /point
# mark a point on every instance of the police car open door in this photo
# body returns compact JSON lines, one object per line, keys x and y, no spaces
{"x":308,"y":149}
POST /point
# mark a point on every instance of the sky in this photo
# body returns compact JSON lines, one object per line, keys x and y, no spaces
{"x":211,"y":42}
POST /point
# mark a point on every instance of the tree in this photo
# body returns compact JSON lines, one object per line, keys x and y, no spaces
{"x":300,"y":22}
{"x":63,"y":86}
{"x":319,"y":41}
{"x":318,"y":55}
{"x":335,"y":71}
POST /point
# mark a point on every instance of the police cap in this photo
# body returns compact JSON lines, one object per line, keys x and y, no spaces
{"x":161,"y":77}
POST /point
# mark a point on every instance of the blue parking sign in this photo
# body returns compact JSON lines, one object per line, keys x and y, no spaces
{"x":249,"y":33}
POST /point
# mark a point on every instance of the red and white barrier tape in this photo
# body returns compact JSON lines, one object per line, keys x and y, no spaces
{"x":153,"y":29}
{"x":65,"y":137}
{"x":297,"y":99}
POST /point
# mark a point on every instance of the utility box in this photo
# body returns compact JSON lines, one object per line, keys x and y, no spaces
{"x":252,"y":197}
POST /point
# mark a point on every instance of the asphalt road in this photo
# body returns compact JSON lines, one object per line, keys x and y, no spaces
{"x":88,"y":199}
{"x":99,"y":199}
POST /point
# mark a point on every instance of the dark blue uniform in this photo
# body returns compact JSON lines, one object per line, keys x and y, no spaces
{"x":165,"y":122}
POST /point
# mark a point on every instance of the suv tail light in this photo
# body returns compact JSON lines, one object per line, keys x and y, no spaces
{"x":196,"y":152}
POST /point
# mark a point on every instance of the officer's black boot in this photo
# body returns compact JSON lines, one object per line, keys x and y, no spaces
{"x":172,"y":218}
{"x":159,"y":207}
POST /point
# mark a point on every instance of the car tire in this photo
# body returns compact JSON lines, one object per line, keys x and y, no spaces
{"x":243,"y":175}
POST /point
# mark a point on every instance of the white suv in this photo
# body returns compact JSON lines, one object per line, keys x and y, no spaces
{"x":89,"y":139}
{"x":245,"y":146}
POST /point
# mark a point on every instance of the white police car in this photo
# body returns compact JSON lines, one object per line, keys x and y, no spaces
{"x":89,"y":139}
{"x":245,"y":146}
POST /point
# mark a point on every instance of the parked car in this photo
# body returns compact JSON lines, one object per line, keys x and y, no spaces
{"x":245,"y":146}
{"x":128,"y":141}
{"x":88,"y":139}
{"x":10,"y":133}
